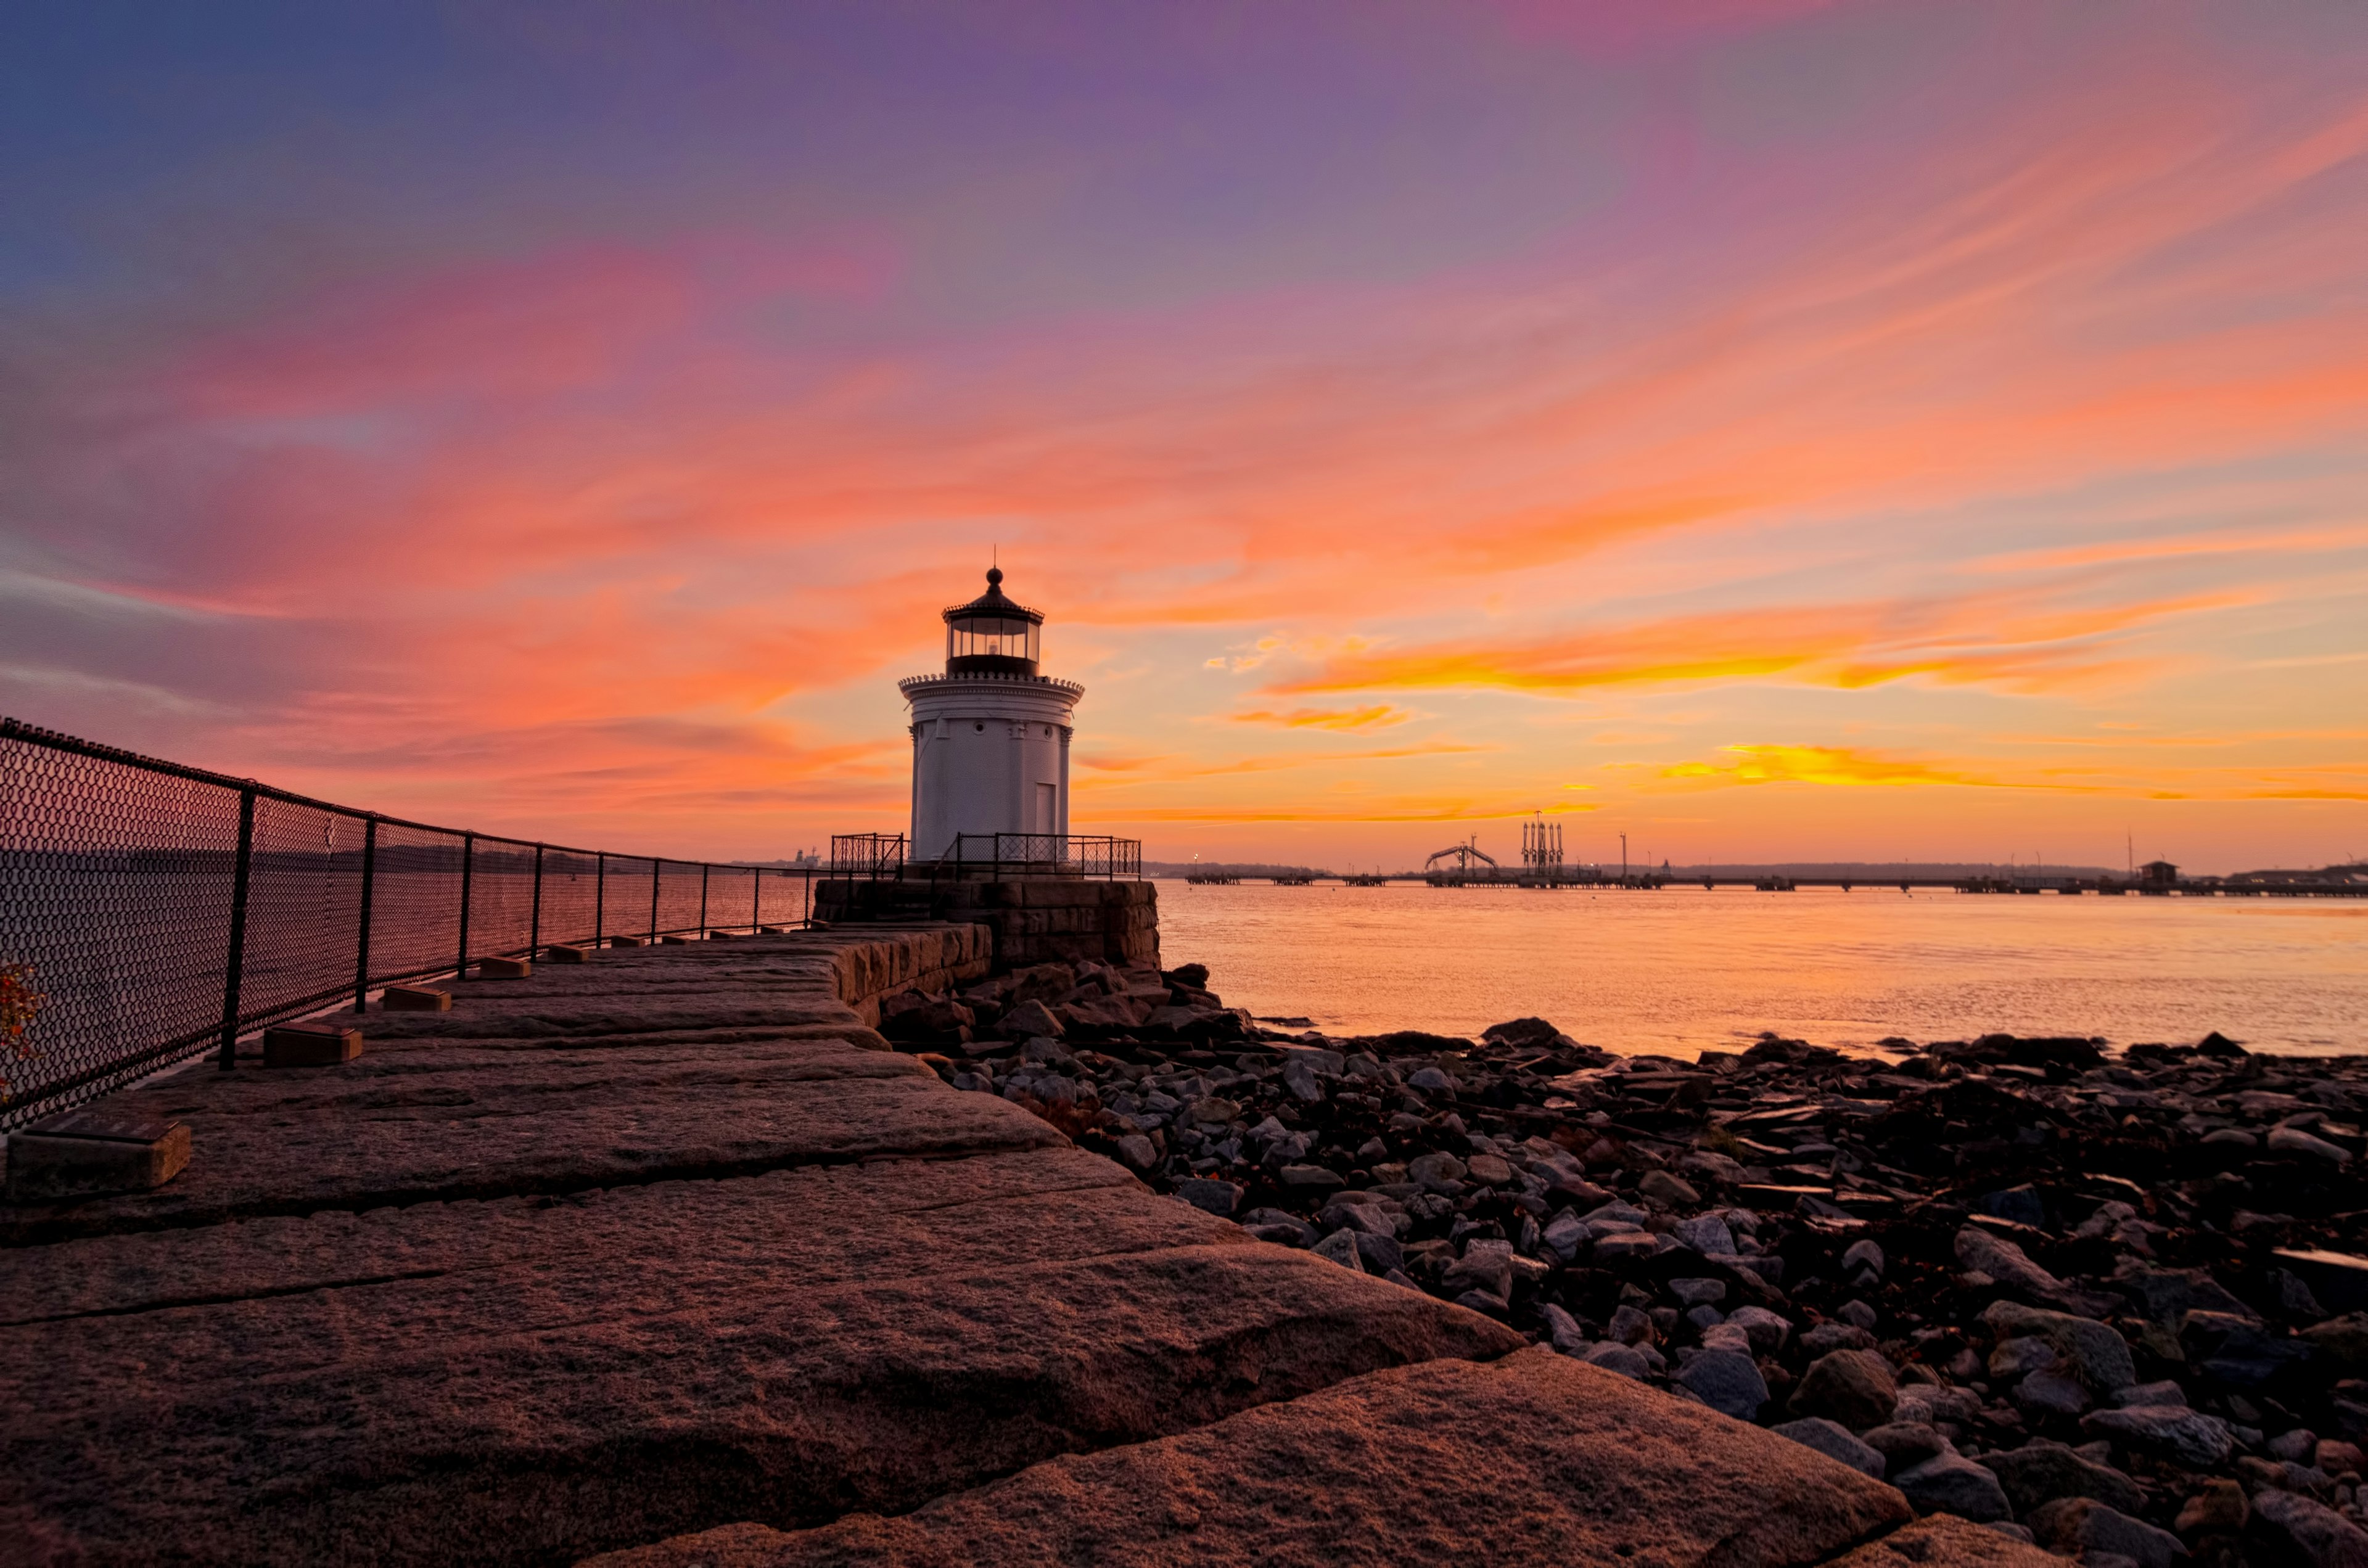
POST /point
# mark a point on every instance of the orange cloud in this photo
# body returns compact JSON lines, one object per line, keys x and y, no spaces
{"x":1379,"y":715}
{"x":1994,"y":640}
{"x":1820,"y":764}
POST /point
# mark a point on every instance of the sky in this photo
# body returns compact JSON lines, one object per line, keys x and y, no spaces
{"x":1769,"y":430}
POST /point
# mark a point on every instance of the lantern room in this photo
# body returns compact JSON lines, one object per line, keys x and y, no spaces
{"x":992,"y":634}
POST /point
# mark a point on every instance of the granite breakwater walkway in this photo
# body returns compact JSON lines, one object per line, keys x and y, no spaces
{"x":665,"y":1254}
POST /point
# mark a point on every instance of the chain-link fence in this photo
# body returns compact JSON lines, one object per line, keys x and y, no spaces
{"x":149,"y":911}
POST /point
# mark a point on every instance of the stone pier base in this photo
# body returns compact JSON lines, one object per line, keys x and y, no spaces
{"x":1032,"y":919}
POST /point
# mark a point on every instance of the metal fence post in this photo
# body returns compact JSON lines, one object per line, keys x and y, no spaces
{"x":534,"y":921}
{"x":467,"y":868}
{"x":756,"y":901}
{"x":655,"y":867}
{"x":703,"y":869}
{"x":601,"y":899}
{"x":362,"y":942}
{"x":235,"y":963}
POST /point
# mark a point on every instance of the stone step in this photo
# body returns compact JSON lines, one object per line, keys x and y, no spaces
{"x":1533,"y":1458}
{"x":520,"y":1383}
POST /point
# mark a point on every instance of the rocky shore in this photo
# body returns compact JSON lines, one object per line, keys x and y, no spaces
{"x":2105,"y":1299}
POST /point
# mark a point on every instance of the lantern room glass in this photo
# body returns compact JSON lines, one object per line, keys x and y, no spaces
{"x":998,"y":637}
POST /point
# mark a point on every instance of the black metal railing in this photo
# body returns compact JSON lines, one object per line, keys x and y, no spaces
{"x":149,"y":911}
{"x":867,"y":857}
{"x":1044,"y":854}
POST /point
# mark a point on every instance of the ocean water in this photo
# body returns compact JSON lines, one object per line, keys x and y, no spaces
{"x":1682,"y":970}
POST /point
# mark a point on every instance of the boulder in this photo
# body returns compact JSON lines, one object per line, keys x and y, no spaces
{"x":1835,"y":1442}
{"x":1218,"y":1198}
{"x":2082,"y":1526}
{"x":2093,"y":1352}
{"x":1029,"y":1020}
{"x":2042,"y":1472}
{"x":1950,"y":1483}
{"x":1728,"y":1382}
{"x":2167,"y":1431}
{"x":1852,"y":1387}
{"x":2298,"y":1530}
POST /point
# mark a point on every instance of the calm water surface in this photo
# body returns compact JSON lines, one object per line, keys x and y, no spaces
{"x":1681,"y":970}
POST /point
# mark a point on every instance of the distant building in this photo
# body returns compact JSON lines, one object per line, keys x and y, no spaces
{"x":2158,"y":874}
{"x":991,"y":735}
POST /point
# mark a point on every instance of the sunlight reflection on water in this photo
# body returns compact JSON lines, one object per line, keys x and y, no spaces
{"x":1681,"y":970}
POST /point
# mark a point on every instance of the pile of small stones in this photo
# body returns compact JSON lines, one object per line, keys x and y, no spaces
{"x":2105,"y":1301}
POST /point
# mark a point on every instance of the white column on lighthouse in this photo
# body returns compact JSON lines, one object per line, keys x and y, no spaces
{"x":991,"y":735}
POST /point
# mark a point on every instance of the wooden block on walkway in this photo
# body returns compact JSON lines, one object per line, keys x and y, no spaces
{"x":673,"y":941}
{"x":309,"y":1044}
{"x":416,"y":999}
{"x":624,"y":941}
{"x":504,"y":969}
{"x":565,"y":954}
{"x":87,"y":1152}
{"x":770,"y":930}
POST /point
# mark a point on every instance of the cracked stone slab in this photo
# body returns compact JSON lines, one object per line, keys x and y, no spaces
{"x":817,"y":1224}
{"x":267,"y":1143}
{"x":1534,"y":1457}
{"x":669,"y":1367}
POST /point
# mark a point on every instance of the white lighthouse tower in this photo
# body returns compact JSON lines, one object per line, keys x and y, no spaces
{"x":990,"y":736}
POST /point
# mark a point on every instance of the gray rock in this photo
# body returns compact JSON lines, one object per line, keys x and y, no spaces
{"x":1485,"y":1266}
{"x":1950,"y":1483}
{"x":1566,"y":1237}
{"x":1707,"y":1235}
{"x":1728,"y":1382}
{"x":2050,"y":1393}
{"x":1906,"y":1443}
{"x":1430,"y":1080}
{"x":1219,"y":1198}
{"x":1382,"y":1254}
{"x":1311,"y":1176}
{"x":1625,"y":1359}
{"x":1662,"y":1187}
{"x":2084,"y":1527}
{"x":1767,"y":1330}
{"x":2093,"y":1352}
{"x":1853,"y":1387}
{"x":1281,"y":1235}
{"x":1299,"y":1077}
{"x":1568,"y":1338}
{"x":1305,"y":1234}
{"x":2042,"y":1472}
{"x":1698,"y":1293}
{"x":1030,"y":1021}
{"x":1340,"y":1246}
{"x":2306,"y":1531}
{"x":2166,"y":1295}
{"x":1727,"y":1336}
{"x":1435,"y":1170}
{"x":1858,"y":1312}
{"x":1828,"y":1337}
{"x":2012,"y":1268}
{"x":1136,"y":1152}
{"x":1835,"y":1442}
{"x":2170,"y":1431}
{"x":2295,"y":1141}
{"x":2015,"y":1356}
{"x":1863,"y":1254}
{"x":2297,"y":1445}
{"x":2163,"y":1392}
{"x":1628,"y":1325}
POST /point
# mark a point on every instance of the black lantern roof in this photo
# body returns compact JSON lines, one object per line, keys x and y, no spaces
{"x":993,"y":605}
{"x":992,"y":634}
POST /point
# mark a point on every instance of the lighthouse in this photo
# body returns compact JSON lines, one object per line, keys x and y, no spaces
{"x":991,"y":735}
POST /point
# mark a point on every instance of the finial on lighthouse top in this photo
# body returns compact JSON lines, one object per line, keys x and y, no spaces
{"x":992,"y":635}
